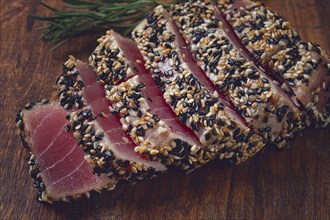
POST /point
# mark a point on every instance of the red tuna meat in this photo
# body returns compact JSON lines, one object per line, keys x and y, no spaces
{"x":57,"y":164}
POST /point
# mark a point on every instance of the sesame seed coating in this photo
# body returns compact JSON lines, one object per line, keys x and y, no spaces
{"x":254,"y":95}
{"x":305,"y":67}
{"x":153,"y":136}
{"x":193,"y":104}
{"x":261,"y":30}
{"x":301,"y":65}
{"x":109,"y":61}
{"x":69,"y":86}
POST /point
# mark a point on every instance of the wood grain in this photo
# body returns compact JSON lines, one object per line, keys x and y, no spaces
{"x":290,"y":184}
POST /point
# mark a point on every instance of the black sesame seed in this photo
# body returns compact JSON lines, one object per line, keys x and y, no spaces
{"x":207,"y":136}
{"x":149,"y":124}
{"x":67,"y":128}
{"x":194,"y":126}
{"x":264,"y":80}
{"x":139,"y":114}
{"x":156,"y":118}
{"x":215,"y":141}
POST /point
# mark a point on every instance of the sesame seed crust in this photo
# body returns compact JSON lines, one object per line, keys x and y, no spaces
{"x":70,"y":86}
{"x":302,"y":65}
{"x":261,"y":30}
{"x":34,"y":169}
{"x":152,"y":135}
{"x":264,"y":106}
{"x":109,"y":61}
{"x":305,"y":66}
{"x":193,"y":104}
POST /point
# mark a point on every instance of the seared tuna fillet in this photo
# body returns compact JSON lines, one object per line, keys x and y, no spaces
{"x":201,"y":82}
{"x":107,"y":146}
{"x":302,"y":66}
{"x":262,"y":103}
{"x":190,"y":94}
{"x":57,"y":164}
{"x":146,"y":116}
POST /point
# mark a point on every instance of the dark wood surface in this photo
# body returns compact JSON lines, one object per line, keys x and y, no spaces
{"x":289,"y":184}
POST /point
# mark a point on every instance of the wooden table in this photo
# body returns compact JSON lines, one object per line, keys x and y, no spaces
{"x":274,"y":184}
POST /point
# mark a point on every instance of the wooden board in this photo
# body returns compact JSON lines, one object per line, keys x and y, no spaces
{"x":294,"y":183}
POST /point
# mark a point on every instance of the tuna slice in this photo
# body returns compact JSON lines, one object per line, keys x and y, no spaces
{"x":107,"y":146}
{"x":145,"y":115}
{"x":302,"y":66}
{"x":306,"y":68}
{"x":57,"y":164}
{"x":262,"y":103}
{"x":261,"y":30}
{"x":189,"y":93}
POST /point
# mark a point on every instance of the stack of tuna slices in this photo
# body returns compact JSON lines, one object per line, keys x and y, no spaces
{"x":199,"y":82}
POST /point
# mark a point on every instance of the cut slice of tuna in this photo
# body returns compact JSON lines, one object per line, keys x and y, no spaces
{"x":154,"y":127}
{"x":57,"y":165}
{"x":108,"y":60}
{"x":263,"y":104}
{"x":107,"y":146}
{"x":216,"y":125}
{"x":261,"y":30}
{"x":269,"y":37}
{"x":146,"y":116}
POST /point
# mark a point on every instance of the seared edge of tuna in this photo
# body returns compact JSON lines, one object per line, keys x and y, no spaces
{"x":264,"y":105}
{"x":34,"y":168}
{"x":100,"y":151}
{"x":193,"y":104}
{"x":33,"y":165}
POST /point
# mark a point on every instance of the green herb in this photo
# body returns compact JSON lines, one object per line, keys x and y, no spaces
{"x":81,"y":17}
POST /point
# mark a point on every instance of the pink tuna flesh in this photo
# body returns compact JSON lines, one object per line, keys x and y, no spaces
{"x":62,"y":167}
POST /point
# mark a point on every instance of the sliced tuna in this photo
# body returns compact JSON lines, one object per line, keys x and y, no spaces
{"x":107,"y":146}
{"x":261,"y":30}
{"x":191,"y":95}
{"x":146,"y":116}
{"x":270,"y":38}
{"x":109,"y":61}
{"x":57,"y":165}
{"x":264,"y":105}
{"x":154,"y":127}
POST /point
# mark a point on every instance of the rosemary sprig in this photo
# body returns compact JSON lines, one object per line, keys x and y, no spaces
{"x":82,"y":17}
